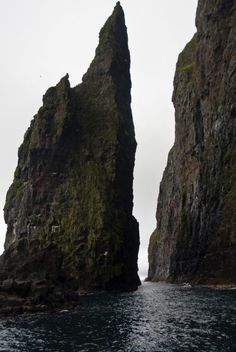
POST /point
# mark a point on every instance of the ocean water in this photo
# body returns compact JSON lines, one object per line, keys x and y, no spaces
{"x":156,"y":318}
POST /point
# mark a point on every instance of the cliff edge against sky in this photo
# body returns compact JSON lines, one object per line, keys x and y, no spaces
{"x":195,"y":238}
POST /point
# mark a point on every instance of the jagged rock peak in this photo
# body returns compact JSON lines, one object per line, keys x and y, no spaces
{"x":69,"y":209}
{"x":62,"y":86}
{"x":112,"y":52}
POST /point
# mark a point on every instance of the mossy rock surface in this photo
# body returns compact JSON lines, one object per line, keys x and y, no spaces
{"x":73,"y":188}
{"x":196,"y":213}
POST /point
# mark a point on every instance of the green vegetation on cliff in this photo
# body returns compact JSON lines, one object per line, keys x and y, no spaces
{"x":196,"y":212}
{"x":187,"y":58}
{"x":72,"y":198}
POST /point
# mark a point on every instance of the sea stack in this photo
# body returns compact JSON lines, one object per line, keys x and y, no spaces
{"x":195,"y":238}
{"x":69,"y":209}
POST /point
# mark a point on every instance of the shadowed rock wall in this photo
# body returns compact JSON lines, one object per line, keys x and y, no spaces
{"x":195,"y":238}
{"x":69,"y":208}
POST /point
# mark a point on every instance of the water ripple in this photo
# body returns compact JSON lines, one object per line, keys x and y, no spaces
{"x":156,"y":318}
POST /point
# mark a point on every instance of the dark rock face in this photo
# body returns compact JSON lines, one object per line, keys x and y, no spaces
{"x":196,"y":213}
{"x":69,"y":209}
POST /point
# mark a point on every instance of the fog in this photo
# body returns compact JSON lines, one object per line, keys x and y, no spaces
{"x":42,"y":40}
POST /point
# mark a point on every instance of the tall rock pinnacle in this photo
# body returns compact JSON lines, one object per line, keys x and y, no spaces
{"x":69,"y":209}
{"x":195,"y":239}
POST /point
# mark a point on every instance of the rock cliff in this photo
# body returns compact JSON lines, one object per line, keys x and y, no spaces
{"x":195,"y":238}
{"x":69,"y":209}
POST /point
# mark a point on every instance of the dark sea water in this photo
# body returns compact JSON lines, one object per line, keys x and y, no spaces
{"x":157,"y":317}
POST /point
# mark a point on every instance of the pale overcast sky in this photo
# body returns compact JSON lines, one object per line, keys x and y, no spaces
{"x":42,"y":40}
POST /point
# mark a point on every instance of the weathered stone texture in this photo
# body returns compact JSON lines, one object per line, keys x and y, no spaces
{"x":196,"y":213}
{"x":69,"y":209}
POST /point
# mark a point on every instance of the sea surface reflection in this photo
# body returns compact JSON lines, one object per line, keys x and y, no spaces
{"x":157,"y":317}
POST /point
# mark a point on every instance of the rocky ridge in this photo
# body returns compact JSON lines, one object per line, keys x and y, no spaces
{"x":68,"y":211}
{"x":195,"y":238}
